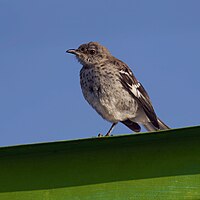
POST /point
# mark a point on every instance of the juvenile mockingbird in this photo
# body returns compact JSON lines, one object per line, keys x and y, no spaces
{"x":110,"y":87}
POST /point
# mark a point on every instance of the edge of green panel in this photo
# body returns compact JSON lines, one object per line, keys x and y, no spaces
{"x":90,"y":161}
{"x":67,"y":144}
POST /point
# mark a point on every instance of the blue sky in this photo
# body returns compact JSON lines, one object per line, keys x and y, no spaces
{"x":40,"y":95}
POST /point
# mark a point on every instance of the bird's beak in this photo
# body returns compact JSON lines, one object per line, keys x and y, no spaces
{"x":73,"y":51}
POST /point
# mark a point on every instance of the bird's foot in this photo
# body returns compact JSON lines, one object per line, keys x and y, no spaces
{"x":107,"y":134}
{"x":100,"y":135}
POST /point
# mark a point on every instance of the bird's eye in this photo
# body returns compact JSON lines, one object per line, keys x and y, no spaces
{"x":92,"y":52}
{"x":82,"y":49}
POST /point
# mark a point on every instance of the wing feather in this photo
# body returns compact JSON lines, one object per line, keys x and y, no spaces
{"x":137,"y":91}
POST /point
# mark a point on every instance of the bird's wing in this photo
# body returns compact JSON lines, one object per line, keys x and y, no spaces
{"x":137,"y":91}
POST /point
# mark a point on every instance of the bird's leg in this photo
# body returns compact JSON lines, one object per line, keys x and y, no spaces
{"x":111,"y":128}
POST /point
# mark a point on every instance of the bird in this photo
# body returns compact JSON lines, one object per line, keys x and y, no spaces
{"x":111,"y":88}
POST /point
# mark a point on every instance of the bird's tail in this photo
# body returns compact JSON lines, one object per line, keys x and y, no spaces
{"x":162,"y":125}
{"x":150,"y":127}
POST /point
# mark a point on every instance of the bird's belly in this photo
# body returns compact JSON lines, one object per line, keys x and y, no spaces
{"x":112,"y":104}
{"x":106,"y":95}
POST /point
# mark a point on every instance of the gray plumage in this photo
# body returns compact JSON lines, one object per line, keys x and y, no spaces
{"x":111,"y":89}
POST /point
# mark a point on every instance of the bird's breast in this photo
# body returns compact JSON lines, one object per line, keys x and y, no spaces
{"x":104,"y":92}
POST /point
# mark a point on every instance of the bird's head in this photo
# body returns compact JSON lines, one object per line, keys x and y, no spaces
{"x":91,"y":53}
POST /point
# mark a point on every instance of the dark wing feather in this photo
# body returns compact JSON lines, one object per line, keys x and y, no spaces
{"x":137,"y":91}
{"x":132,"y":125}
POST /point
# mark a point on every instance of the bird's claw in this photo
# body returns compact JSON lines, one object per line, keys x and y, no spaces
{"x":100,"y":135}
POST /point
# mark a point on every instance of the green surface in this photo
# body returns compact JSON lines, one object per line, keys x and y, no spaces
{"x":162,"y":165}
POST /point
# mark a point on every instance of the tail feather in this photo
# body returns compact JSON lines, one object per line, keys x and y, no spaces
{"x":150,"y":127}
{"x":162,"y":125}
